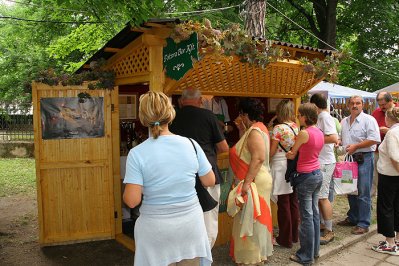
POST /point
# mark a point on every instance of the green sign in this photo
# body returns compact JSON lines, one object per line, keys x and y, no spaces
{"x":178,"y":57}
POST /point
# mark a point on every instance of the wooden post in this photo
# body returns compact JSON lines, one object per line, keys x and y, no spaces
{"x":157,"y":76}
{"x":297,"y":103}
{"x":36,"y":131}
{"x":116,"y":159}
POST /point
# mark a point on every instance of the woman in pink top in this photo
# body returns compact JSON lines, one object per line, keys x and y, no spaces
{"x":307,"y":182}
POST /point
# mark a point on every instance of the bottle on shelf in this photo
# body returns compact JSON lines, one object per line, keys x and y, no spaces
{"x":123,"y":140}
{"x":133,"y":135}
{"x":128,"y":136}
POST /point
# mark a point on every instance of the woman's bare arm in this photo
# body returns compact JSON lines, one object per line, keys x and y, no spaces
{"x":132,"y":195}
{"x":209,"y":179}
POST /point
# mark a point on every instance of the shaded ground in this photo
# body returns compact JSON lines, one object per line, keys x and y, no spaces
{"x":19,"y":245}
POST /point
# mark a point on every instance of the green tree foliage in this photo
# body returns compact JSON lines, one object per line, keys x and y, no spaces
{"x":368,"y":29}
{"x":22,"y":53}
{"x":60,"y":35}
{"x":75,"y":47}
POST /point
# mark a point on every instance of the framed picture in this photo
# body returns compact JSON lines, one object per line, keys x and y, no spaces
{"x":272,"y":104}
{"x":70,"y":118}
{"x":128,"y":106}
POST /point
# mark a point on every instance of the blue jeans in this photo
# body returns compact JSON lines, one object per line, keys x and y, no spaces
{"x":360,"y":205}
{"x":309,"y":230}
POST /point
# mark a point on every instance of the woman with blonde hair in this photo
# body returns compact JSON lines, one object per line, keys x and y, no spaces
{"x":388,"y":186}
{"x":170,"y":229}
{"x":282,"y":140}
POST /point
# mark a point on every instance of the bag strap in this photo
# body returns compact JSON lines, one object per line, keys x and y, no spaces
{"x":290,"y":128}
{"x":348,"y":157}
{"x":196,"y":175}
{"x":192,"y":143}
{"x":279,"y":144}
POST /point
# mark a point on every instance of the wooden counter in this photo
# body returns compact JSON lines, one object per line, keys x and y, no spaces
{"x":225,"y":221}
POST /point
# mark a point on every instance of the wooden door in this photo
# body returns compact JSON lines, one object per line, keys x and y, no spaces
{"x":74,"y":175}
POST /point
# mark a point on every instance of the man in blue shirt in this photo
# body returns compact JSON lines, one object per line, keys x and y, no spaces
{"x":360,"y":134}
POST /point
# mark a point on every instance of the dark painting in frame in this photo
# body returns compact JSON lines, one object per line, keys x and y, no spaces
{"x":72,"y":117}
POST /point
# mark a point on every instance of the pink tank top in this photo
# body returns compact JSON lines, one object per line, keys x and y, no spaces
{"x":308,"y":159}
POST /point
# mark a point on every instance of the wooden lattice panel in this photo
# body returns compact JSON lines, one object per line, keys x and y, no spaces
{"x":234,"y":78}
{"x":134,"y":64}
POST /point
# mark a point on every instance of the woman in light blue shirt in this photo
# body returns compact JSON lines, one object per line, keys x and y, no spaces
{"x":170,"y":228}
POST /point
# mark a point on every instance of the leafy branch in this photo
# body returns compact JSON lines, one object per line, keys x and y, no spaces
{"x":325,"y":68}
{"x":97,"y":77}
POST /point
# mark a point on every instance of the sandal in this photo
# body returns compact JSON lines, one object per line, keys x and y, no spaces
{"x":297,"y":260}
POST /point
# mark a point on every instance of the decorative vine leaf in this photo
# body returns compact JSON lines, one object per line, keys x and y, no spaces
{"x":234,"y":41}
{"x":100,"y":79}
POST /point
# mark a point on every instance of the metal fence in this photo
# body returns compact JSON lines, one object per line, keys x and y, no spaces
{"x":16,"y":122}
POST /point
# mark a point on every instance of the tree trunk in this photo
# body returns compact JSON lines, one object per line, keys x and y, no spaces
{"x":254,"y":24}
{"x":326,"y":15}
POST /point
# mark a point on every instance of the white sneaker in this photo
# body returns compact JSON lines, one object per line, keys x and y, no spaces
{"x":383,"y":247}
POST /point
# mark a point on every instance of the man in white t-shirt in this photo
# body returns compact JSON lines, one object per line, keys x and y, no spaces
{"x":326,"y":123}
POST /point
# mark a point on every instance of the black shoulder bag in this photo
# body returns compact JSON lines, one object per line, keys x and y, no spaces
{"x":206,"y":201}
{"x":291,"y":164}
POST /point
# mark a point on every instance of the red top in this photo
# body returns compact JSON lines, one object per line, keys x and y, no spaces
{"x":308,"y":159}
{"x":379,"y":115}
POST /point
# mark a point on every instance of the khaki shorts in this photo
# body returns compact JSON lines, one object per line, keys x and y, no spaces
{"x":327,"y":171}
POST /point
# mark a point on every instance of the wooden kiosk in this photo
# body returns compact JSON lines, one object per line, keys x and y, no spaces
{"x":79,"y":179}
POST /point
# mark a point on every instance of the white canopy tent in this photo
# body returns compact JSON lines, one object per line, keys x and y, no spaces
{"x":338,"y":97}
{"x":331,"y":90}
{"x":393,"y":89}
